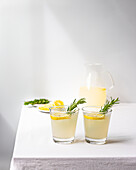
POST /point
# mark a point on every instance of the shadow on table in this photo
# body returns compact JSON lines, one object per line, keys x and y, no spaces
{"x":79,"y":140}
{"x":110,"y":140}
{"x":119,"y":139}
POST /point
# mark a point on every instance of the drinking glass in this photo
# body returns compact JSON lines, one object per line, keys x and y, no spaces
{"x":63,"y":124}
{"x":96,"y":124}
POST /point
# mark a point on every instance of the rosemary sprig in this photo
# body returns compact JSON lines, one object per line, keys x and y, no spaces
{"x":75,"y":104}
{"x":109,"y":104}
{"x":37,"y":101}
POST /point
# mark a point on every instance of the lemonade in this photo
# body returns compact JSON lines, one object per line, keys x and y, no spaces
{"x":96,"y":126}
{"x":63,"y":124}
{"x":95,"y":96}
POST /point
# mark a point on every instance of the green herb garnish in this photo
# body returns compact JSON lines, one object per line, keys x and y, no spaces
{"x":75,"y":104}
{"x":37,"y":101}
{"x":109,"y":104}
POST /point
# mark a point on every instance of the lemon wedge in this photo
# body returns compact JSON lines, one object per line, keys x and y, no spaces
{"x":58,"y":102}
{"x":46,"y":107}
{"x":59,"y":116}
{"x":103,"y":89}
{"x":94,"y":116}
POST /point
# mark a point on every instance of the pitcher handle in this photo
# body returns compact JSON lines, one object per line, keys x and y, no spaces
{"x":111,"y":78}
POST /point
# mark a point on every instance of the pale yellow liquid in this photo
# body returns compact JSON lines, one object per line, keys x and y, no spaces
{"x":97,"y":129}
{"x":64,"y":128}
{"x":95,"y":96}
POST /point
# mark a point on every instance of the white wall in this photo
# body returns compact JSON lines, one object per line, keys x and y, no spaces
{"x":44,"y":44}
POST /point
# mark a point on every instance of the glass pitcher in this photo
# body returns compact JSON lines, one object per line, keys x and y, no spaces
{"x":97,"y":84}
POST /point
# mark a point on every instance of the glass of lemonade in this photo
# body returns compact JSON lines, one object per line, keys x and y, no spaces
{"x":96,"y":124}
{"x":63,"y":124}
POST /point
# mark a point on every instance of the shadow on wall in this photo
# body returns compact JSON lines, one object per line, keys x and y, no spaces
{"x":6,"y":143}
{"x":21,"y":56}
{"x":102,"y":32}
{"x":96,"y":28}
{"x":38,"y":47}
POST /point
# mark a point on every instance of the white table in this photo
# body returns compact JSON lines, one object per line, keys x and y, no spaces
{"x":35,"y":150}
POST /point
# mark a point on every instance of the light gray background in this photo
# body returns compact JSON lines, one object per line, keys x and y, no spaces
{"x":44,"y":45}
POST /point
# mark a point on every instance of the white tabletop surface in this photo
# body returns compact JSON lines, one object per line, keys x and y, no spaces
{"x":34,"y":137}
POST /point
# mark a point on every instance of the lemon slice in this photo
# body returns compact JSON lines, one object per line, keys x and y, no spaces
{"x":46,"y":107}
{"x":58,"y":102}
{"x":103,"y":89}
{"x":59,"y":116}
{"x":94,"y":116}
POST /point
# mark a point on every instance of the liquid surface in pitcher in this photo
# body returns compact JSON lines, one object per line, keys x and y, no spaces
{"x":95,"y":96}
